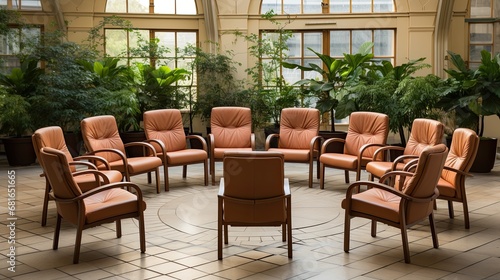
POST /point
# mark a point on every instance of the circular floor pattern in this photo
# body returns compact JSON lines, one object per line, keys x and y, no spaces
{"x":197,"y":213}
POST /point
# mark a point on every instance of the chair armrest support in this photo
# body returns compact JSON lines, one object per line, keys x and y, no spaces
{"x":385,"y":149}
{"x":329,"y":141}
{"x":199,"y":138}
{"x":268,"y":140}
{"x":94,"y":159}
{"x":84,"y":163}
{"x":144,"y":145}
{"x":448,"y":168}
{"x":96,"y":173}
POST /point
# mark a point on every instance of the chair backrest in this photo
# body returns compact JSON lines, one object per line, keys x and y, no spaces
{"x":254,"y":176}
{"x":101,"y":132}
{"x":58,"y":173}
{"x":298,"y":126}
{"x":52,"y":137}
{"x":366,"y":128}
{"x":231,"y":127}
{"x":463,"y":150}
{"x":165,"y":125}
{"x":424,"y":132}
{"x":427,"y":173}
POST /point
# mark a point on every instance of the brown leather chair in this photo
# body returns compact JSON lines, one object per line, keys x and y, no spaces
{"x":298,"y":138}
{"x":100,"y":135}
{"x":451,"y":185}
{"x":367,"y":131}
{"x":254,"y":192}
{"x":231,"y":130}
{"x":424,"y":133}
{"x":402,"y":205}
{"x":105,"y":204}
{"x":165,"y":131}
{"x":53,"y":137}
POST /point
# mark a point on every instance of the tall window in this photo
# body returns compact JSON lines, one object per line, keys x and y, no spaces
{"x":22,"y":4}
{"x":10,"y":45}
{"x":484,"y":29}
{"x":185,"y":7}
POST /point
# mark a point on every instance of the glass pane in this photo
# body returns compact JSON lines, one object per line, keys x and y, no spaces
{"x":116,"y":6}
{"x":116,"y":42}
{"x":291,"y":75}
{"x":186,"y":38}
{"x":167,"y":40}
{"x":312,"y":6}
{"x":312,"y":74}
{"x":268,"y":5}
{"x":384,"y":42}
{"x":496,"y":48}
{"x":360,"y":37}
{"x":380,"y":6}
{"x":481,"y":33}
{"x":480,"y":9}
{"x":339,"y":43}
{"x":184,"y":7}
{"x":339,"y":6}
{"x":475,"y":51}
{"x":496,"y":9}
{"x":137,"y":40}
{"x":164,"y":7}
{"x":30,"y":35}
{"x":361,"y":6}
{"x":31,"y":4}
{"x":138,"y":6}
{"x":291,"y":6}
{"x":3,"y":2}
{"x":313,"y":41}
{"x":294,"y":45}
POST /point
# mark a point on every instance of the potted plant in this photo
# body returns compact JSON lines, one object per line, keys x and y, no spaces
{"x":335,"y":75}
{"x":17,"y":90}
{"x":472,"y":95}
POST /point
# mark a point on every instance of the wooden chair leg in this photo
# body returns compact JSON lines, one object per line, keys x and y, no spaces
{"x":55,"y":242}
{"x":184,"y":171}
{"x":78,"y":242}
{"x":157,"y":175}
{"x":374,"y":228}
{"x":289,"y":229}
{"x":322,"y":176}
{"x":451,"y":213}
{"x":165,"y":177}
{"x":404,"y":239}
{"x":219,"y":230}
{"x":466,"y":213}
{"x":226,"y":235}
{"x":310,"y":174}
{"x":346,"y":176}
{"x":435,"y":241}
{"x":347,"y":231}
{"x":205,"y":171}
{"x":149,"y":178}
{"x":283,"y":232}
{"x":45,"y":206}
{"x":142,"y":233}
{"x":118,"y":228}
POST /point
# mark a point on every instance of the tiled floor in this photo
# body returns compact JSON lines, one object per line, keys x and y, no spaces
{"x":181,"y":237}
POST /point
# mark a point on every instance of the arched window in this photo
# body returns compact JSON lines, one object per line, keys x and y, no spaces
{"x":484,"y":29}
{"x":178,"y":7}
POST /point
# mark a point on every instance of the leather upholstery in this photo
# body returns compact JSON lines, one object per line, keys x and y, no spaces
{"x":298,"y":138}
{"x":254,"y":192}
{"x":399,"y":208}
{"x":53,"y":137}
{"x":101,"y":137}
{"x":165,"y":131}
{"x":231,"y":130}
{"x":424,"y":133}
{"x":367,"y":132}
{"x":104,"y":204}
{"x":451,"y":185}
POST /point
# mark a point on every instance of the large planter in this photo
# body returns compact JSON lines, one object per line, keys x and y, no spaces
{"x":19,"y":151}
{"x":336,"y":147}
{"x":485,"y":157}
{"x":133,"y":136}
{"x":74,"y":142}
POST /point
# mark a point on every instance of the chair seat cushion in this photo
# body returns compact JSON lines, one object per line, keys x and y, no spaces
{"x":219,"y":152}
{"x":293,"y":155}
{"x":137,"y":164}
{"x":187,"y":156}
{"x":375,"y":201}
{"x":341,"y":161}
{"x":110,"y":203}
{"x":87,"y":182}
{"x":379,"y":168}
{"x":445,"y":188}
